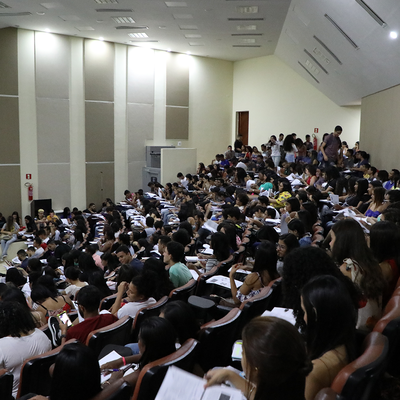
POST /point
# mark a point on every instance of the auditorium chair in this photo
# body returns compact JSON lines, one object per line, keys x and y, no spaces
{"x":360,"y":379}
{"x":6,"y":385}
{"x":152,"y":375}
{"x":118,"y":333}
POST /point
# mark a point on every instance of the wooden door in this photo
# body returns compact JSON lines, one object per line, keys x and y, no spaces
{"x":242,"y":125}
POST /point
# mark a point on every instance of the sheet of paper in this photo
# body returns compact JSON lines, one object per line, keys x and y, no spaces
{"x":210,"y":225}
{"x":109,"y":357}
{"x":191,"y":259}
{"x":179,"y":384}
{"x":283,"y":313}
{"x":223,"y":281}
{"x":195,"y":275}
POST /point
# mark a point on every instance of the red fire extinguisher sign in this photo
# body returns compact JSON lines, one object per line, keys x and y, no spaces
{"x":315,"y":130}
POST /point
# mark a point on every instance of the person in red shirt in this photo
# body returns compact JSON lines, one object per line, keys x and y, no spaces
{"x":89,"y":298}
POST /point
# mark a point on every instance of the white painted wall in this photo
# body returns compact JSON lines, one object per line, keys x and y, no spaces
{"x":177,"y":160}
{"x":280,"y":100}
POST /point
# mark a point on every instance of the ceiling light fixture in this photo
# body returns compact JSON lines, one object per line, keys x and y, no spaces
{"x":393,"y":35}
{"x":47,"y":30}
{"x":138,"y":35}
{"x":101,"y":38}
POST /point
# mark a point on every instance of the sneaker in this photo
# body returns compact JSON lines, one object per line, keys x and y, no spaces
{"x":55,"y":331}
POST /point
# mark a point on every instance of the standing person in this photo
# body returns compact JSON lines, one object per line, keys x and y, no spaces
{"x":290,"y":149}
{"x":238,"y":146}
{"x":308,"y":143}
{"x":331,"y":148}
{"x":275,"y":150}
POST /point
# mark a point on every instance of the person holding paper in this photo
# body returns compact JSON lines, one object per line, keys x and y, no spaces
{"x":274,"y":360}
{"x":264,"y":271}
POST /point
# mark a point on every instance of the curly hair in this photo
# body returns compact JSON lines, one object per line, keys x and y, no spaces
{"x":350,"y":243}
{"x":302,"y":264}
{"x":15,"y":320}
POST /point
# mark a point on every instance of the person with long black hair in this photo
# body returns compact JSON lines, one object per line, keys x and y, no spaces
{"x":330,"y":317}
{"x":274,"y":361}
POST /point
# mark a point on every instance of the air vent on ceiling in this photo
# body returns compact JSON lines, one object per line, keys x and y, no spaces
{"x":372,"y":13}
{"x":123,"y":20}
{"x":245,"y":19}
{"x":132,"y":27}
{"x":188,"y":27}
{"x":196,"y":44}
{"x":246,"y":45}
{"x":247,"y":9}
{"x":246,"y":34}
{"x":106,"y":1}
{"x":16,"y":14}
{"x":327,"y":49}
{"x":308,"y":72}
{"x":345,"y":35}
{"x":3,"y":5}
{"x":316,"y":61}
{"x":114,"y":10}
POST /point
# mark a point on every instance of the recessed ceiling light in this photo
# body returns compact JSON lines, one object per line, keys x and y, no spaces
{"x":176,"y":3}
{"x":188,"y":27}
{"x":101,"y":38}
{"x":162,"y":27}
{"x":393,"y":35}
{"x":192,"y":36}
{"x":169,"y":50}
{"x":247,"y":9}
{"x":123,"y":20}
{"x":41,"y":13}
{"x":47,"y":30}
{"x":139,"y":35}
{"x":246,"y":27}
{"x":182,"y":16}
{"x":188,"y":53}
{"x":106,"y":1}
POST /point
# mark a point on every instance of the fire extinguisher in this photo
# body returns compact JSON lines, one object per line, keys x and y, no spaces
{"x":315,"y":142}
{"x":30,"y":192}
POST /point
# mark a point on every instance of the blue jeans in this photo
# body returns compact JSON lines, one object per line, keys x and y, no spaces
{"x":6,"y":244}
{"x":289,"y":158}
{"x":134,"y":347}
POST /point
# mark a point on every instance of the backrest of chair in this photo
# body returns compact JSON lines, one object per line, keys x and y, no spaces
{"x":35,"y":377}
{"x":357,"y":380}
{"x":326,"y":394}
{"x":152,"y":310}
{"x":117,"y":390}
{"x":107,"y":302}
{"x":6,"y":385}
{"x":117,"y":333}
{"x":183,"y":292}
{"x":152,"y":375}
{"x":389,"y":325}
{"x":216,"y":340}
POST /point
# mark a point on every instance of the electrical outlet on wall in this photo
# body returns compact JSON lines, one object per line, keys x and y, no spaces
{"x":179,"y":144}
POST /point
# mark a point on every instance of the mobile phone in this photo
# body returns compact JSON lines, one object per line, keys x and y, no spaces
{"x":237,"y":350}
{"x":64,"y":318}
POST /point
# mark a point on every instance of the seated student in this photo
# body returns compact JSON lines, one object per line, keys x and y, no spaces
{"x":72,"y":277}
{"x":284,"y":193}
{"x":220,"y":246}
{"x":149,"y":227}
{"x":57,"y":249}
{"x":264,"y":271}
{"x":78,"y":364}
{"x":89,"y":298}
{"x":125,"y":257}
{"x":179,"y":273}
{"x":330,"y":317}
{"x":139,"y":295}
{"x":45,"y":295}
{"x":286,"y":244}
{"x":356,"y":261}
{"x":23,"y":257}
{"x":19,"y":339}
{"x":296,"y":227}
{"x":156,"y":340}
{"x":274,"y":361}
